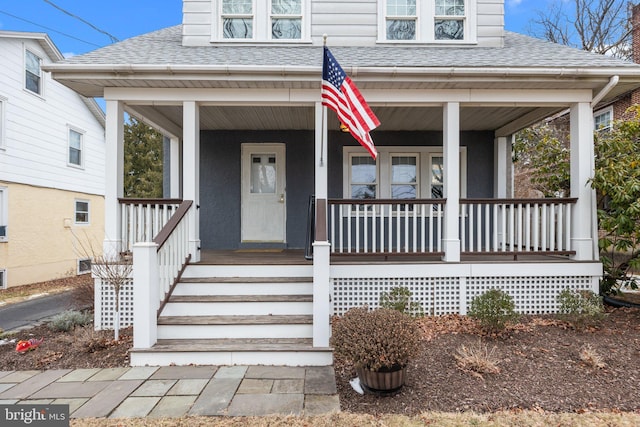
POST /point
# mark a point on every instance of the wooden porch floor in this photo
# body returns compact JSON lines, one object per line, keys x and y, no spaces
{"x":296,"y":257}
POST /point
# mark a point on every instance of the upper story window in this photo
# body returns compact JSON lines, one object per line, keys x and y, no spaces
{"x":33,"y":72}
{"x":449,"y":20}
{"x":401,"y":19}
{"x":75,"y":147}
{"x":286,"y":19}
{"x":237,"y":19}
{"x":261,"y":20}
{"x":602,"y":120}
{"x":427,"y":21}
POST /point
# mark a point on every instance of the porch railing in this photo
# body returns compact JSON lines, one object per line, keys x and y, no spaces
{"x":173,"y":251}
{"x":142,"y":219}
{"x":385,"y":227}
{"x":516,"y":226}
{"x":157,"y":267}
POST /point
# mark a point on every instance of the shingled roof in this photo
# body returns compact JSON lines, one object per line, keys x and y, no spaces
{"x":519,"y":51}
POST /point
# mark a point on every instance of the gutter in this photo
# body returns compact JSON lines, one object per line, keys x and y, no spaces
{"x":613,"y":81}
{"x":282,"y":71}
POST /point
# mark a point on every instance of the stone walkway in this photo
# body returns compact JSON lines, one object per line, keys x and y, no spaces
{"x":175,"y":391}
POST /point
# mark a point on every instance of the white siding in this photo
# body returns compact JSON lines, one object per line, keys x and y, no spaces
{"x":348,"y":22}
{"x":490,"y":23}
{"x":196,"y":22}
{"x":35,"y":150}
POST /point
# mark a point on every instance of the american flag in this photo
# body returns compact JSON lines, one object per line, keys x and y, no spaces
{"x":341,"y":95}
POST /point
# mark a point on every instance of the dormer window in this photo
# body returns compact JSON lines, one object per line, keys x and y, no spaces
{"x":449,"y":20}
{"x":286,"y":19}
{"x":237,"y":19}
{"x":401,"y":19}
{"x":427,"y":21}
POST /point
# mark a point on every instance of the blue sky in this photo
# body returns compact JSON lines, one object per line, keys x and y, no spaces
{"x":127,"y":18}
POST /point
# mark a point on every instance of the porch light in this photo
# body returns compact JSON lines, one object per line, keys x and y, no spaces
{"x":344,"y":128}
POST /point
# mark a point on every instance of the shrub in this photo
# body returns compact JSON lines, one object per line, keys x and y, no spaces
{"x":377,"y":339}
{"x":399,"y":299}
{"x":494,"y":309}
{"x":580,"y":307}
{"x":477,"y":359}
{"x":591,"y":358}
{"x":69,"y":319}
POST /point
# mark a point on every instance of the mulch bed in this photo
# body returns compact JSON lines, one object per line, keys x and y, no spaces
{"x":539,"y":363}
{"x":80,"y":348}
{"x":540,"y":369}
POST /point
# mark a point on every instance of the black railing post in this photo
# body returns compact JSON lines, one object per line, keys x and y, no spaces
{"x":311,"y":228}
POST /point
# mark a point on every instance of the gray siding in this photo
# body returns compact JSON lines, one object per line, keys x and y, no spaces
{"x":220,"y":169}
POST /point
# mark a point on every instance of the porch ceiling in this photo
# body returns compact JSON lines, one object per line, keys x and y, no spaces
{"x":302,"y":118}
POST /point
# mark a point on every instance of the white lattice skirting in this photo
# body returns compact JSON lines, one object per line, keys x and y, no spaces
{"x":105,"y":305}
{"x":443,"y":289}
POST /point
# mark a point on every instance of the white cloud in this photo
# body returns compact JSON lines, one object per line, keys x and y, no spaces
{"x":513,"y":3}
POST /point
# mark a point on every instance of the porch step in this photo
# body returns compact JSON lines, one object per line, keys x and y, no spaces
{"x":251,"y":351}
{"x":230,"y":315}
{"x":234,"y":320}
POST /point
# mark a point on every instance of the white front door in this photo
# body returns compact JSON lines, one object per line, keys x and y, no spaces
{"x":263,"y":193}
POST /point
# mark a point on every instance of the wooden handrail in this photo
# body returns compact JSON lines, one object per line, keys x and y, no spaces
{"x":387,"y":201}
{"x":171,"y":225}
{"x":135,"y":201}
{"x":520,"y":201}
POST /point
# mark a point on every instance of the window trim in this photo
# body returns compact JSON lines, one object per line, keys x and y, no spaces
{"x":76,"y":211}
{"x":4,"y":212}
{"x":261,"y":24}
{"x":39,"y":94}
{"x":601,"y":113}
{"x":80,"y":132}
{"x":425,"y":24}
{"x":3,"y":278}
{"x":383,"y":168}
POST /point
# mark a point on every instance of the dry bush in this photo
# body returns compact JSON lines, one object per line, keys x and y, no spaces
{"x":591,"y":358}
{"x":83,"y":293}
{"x":89,"y":340}
{"x":477,"y":359}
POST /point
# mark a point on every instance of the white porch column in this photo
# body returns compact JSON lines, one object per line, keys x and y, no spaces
{"x":174,"y":168}
{"x":114,"y":178}
{"x":321,"y":245}
{"x":582,"y":168}
{"x":451,"y":160}
{"x":501,"y":175}
{"x":191,"y":172}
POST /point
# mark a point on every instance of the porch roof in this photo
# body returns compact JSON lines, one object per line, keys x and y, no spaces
{"x":158,"y":59}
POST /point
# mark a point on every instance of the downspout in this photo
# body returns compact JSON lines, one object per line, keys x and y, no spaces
{"x":613,"y":81}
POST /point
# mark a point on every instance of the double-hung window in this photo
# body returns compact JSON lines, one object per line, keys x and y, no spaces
{"x":33,"y":72}
{"x":286,"y":19}
{"x":363,"y":177}
{"x":81,"y":212}
{"x":427,"y":21}
{"x":237,"y":19}
{"x":401,"y":20}
{"x":602,"y":120}
{"x":75,"y":148}
{"x":449,"y":20}
{"x":404,"y":176}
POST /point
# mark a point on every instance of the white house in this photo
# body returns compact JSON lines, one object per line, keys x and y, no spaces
{"x":52,"y":157}
{"x":237,"y":89}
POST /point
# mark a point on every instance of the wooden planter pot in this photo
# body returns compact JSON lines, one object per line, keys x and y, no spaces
{"x":384,"y":381}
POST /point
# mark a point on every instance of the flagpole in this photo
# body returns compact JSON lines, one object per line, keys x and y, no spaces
{"x":324,"y":109}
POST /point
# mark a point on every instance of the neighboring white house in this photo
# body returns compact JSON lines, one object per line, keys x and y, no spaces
{"x":236,"y":87}
{"x":52,"y":174}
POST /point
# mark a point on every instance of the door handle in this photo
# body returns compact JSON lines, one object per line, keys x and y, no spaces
{"x":281,"y":198}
